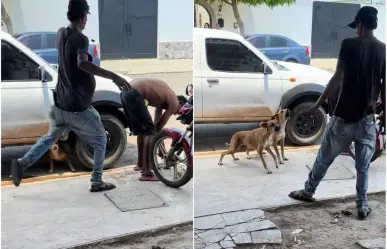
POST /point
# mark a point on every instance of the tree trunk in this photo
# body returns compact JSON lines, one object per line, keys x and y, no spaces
{"x":210,"y":11}
{"x":7,"y":20}
{"x":238,"y":17}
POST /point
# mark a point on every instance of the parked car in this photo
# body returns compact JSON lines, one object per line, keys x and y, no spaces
{"x":26,"y":98}
{"x":235,"y":82}
{"x":281,"y":48}
{"x":44,"y":45}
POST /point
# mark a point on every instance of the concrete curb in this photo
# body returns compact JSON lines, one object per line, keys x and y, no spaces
{"x":272,"y":208}
{"x":128,"y":236}
{"x":218,"y":152}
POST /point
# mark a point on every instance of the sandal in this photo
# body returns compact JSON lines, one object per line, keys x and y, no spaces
{"x":150,"y":177}
{"x":300,"y":195}
{"x":363,"y":213}
{"x":104,"y":186}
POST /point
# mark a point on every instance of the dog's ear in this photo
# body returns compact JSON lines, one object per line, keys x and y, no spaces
{"x":276,"y":116}
{"x":264,"y":124}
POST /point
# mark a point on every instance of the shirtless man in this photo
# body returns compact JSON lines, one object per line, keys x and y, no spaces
{"x":154,"y":93}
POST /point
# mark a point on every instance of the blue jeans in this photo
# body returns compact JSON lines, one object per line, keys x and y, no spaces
{"x":339,"y":136}
{"x":86,"y":125}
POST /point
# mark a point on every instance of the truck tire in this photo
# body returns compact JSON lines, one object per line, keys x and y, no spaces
{"x":116,"y":143}
{"x":303,"y":129}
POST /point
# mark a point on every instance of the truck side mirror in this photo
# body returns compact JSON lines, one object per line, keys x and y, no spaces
{"x":42,"y":74}
{"x":264,"y":67}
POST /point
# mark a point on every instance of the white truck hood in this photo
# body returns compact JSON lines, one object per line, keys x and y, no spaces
{"x":304,"y":73}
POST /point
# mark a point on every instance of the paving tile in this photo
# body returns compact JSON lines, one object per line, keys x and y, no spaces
{"x":250,"y":226}
{"x":243,"y":216}
{"x":212,"y":236}
{"x":377,"y":243}
{"x":209,"y":222}
{"x":242,"y":238}
{"x":267,"y":237}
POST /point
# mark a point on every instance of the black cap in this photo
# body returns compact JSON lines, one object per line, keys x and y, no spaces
{"x":366,"y":15}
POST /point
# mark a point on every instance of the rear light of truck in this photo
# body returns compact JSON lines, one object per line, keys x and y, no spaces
{"x":307,"y":52}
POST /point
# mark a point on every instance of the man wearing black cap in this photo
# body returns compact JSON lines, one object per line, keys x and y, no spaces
{"x":360,"y":73}
{"x":74,"y":92}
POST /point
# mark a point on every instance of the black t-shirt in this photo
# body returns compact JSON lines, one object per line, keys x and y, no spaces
{"x":364,"y":63}
{"x":75,"y":88}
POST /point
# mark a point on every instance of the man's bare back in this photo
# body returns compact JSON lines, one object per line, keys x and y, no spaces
{"x":156,"y":92}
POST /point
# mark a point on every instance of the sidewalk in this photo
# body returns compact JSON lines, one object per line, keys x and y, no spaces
{"x":326,"y":64}
{"x":64,"y":213}
{"x":148,"y":66}
{"x":244,"y":184}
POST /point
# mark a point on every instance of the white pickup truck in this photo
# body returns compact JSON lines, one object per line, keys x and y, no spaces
{"x":234,"y":83}
{"x":26,"y":97}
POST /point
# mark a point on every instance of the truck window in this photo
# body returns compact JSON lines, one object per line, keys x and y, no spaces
{"x":231,"y":56}
{"x":15,"y":66}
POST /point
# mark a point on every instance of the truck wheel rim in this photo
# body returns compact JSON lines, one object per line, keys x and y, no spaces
{"x":306,"y":125}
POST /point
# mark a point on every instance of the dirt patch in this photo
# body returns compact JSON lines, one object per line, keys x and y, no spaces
{"x":179,"y":237}
{"x":321,"y":230}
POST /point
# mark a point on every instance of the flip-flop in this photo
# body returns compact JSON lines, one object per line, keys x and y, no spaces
{"x":300,"y":195}
{"x":150,"y":178}
{"x":138,"y":168}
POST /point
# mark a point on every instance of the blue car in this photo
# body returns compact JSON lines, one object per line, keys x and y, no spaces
{"x":44,"y":45}
{"x":280,"y":48}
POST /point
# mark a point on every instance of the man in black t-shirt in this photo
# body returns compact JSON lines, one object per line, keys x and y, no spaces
{"x":361,"y":75}
{"x":73,"y":97}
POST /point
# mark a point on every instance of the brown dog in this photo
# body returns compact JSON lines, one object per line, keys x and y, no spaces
{"x":282,"y":116}
{"x":258,"y":139}
{"x":57,"y":154}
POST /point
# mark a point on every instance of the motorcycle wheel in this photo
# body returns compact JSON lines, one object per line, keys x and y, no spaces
{"x":185,"y":176}
{"x":377,"y":153}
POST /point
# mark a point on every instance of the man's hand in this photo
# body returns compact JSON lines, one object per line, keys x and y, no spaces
{"x":122,"y":84}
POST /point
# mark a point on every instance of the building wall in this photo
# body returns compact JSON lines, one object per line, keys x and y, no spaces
{"x":293,"y":21}
{"x":174,"y":27}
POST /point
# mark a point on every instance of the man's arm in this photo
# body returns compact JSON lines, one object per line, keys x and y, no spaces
{"x":158,"y":113}
{"x":164,"y":119}
{"x":336,"y":80}
{"x":383,"y":90}
{"x":87,"y":66}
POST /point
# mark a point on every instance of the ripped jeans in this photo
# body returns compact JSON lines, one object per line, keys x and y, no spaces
{"x":338,"y":137}
{"x":86,"y":125}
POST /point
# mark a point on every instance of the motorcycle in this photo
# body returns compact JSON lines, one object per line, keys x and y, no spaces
{"x":179,"y":158}
{"x":380,"y":134}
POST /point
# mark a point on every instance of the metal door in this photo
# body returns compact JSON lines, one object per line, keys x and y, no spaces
{"x":142,"y":28}
{"x":112,"y":27}
{"x":329,"y":27}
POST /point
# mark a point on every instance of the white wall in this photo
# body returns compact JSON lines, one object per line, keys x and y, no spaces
{"x":47,"y":15}
{"x":294,"y":21}
{"x":175,"y":17}
{"x":175,"y":20}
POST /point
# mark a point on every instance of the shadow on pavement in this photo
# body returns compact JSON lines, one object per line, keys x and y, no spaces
{"x":41,"y":167}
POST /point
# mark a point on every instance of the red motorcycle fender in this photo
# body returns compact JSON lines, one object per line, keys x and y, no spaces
{"x":176,"y":134}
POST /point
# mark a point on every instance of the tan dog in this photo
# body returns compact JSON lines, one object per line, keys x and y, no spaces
{"x":282,"y":116}
{"x":57,"y":154}
{"x":258,"y":139}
